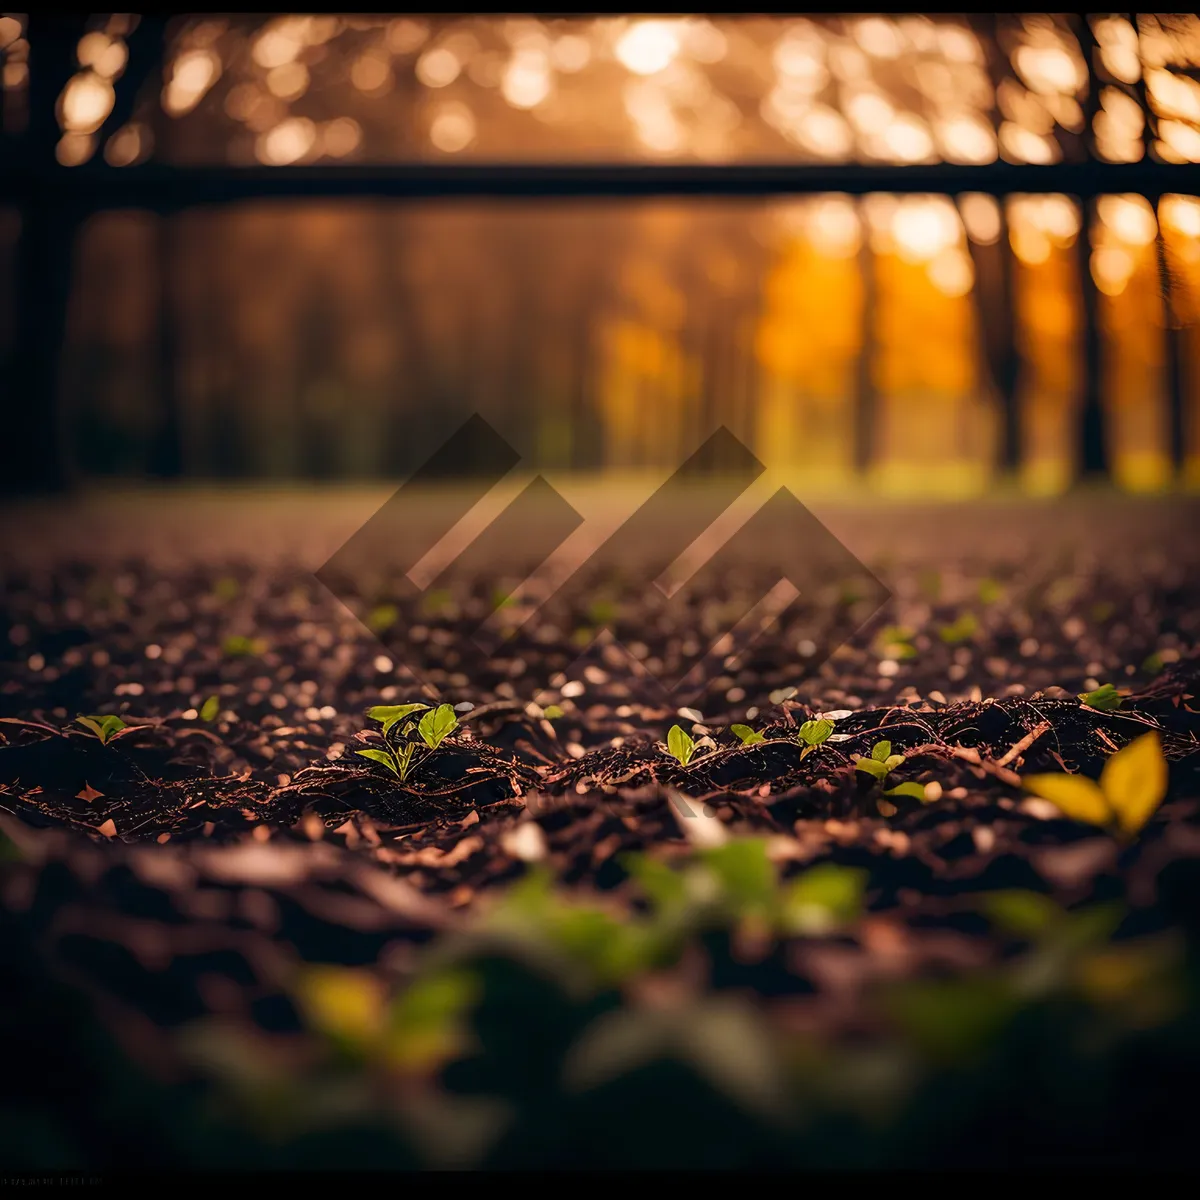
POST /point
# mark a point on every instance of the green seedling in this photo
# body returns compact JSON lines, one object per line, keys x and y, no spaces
{"x":210,"y":709}
{"x":1105,"y":698}
{"x":813,"y":734}
{"x":962,"y":629}
{"x":895,"y":641}
{"x":602,"y":612}
{"x":226,"y":589}
{"x":990,"y":591}
{"x":552,"y":712}
{"x":239,"y":646}
{"x":930,"y":583}
{"x":436,"y":602}
{"x":382,"y":618}
{"x":436,"y":725}
{"x":390,"y":714}
{"x":749,"y":737}
{"x":881,"y":764}
{"x":105,"y":728}
{"x":1131,"y":787}
{"x":680,"y":745}
{"x":1153,"y":663}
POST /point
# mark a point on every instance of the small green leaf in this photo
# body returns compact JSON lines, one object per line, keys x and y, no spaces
{"x":211,"y":709}
{"x":892,"y":761}
{"x":814,"y":733}
{"x":602,"y":612}
{"x":105,"y":728}
{"x":1105,"y":698}
{"x":663,"y":887}
{"x":238,"y":646}
{"x":680,"y":745}
{"x":822,"y":898}
{"x":436,"y":725}
{"x":226,"y":589}
{"x":1134,"y":782}
{"x":915,"y":790}
{"x":389,"y":714}
{"x":871,"y":766}
{"x":552,"y":712}
{"x":990,"y":591}
{"x":961,"y":630}
{"x":881,"y":751}
{"x":1021,"y":913}
{"x":747,"y":876}
{"x":750,"y":737}
{"x":1153,"y":663}
{"x":380,"y":756}
{"x":382,"y":618}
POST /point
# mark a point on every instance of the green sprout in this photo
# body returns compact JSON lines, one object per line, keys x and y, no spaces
{"x":749,"y":737}
{"x":433,"y":728}
{"x":896,"y":641}
{"x":552,"y":712}
{"x":381,"y":618}
{"x":210,"y":709}
{"x":813,"y":734}
{"x":962,"y":629}
{"x":881,"y":764}
{"x":239,"y":646}
{"x":680,"y":745}
{"x":990,"y":591}
{"x":1105,"y":698}
{"x":105,"y":728}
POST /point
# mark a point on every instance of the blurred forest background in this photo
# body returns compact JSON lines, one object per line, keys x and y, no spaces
{"x":922,"y":343}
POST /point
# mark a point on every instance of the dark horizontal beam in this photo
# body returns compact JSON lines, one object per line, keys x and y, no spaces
{"x":166,"y":188}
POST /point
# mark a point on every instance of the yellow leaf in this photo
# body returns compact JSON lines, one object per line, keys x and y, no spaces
{"x":343,"y":1002}
{"x":1134,"y":781}
{"x":1075,"y":796}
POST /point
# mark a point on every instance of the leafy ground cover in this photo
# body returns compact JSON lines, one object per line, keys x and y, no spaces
{"x":933,"y":903}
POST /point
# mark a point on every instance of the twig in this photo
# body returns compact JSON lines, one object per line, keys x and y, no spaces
{"x":1017,"y":750}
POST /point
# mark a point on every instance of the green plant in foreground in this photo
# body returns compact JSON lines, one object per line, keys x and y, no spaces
{"x":1105,"y":698}
{"x":881,"y":764}
{"x":105,"y":728}
{"x":680,"y":745}
{"x":1132,"y":785}
{"x":210,"y":709}
{"x":552,"y":712}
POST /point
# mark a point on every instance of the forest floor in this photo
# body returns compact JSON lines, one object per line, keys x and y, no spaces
{"x":552,"y":943}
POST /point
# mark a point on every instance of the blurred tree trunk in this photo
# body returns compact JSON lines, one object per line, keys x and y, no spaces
{"x":1094,"y":436}
{"x":33,"y":458}
{"x":35,"y":454}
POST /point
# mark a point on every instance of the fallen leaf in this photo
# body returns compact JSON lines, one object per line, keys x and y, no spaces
{"x":89,"y":793}
{"x":108,"y":829}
